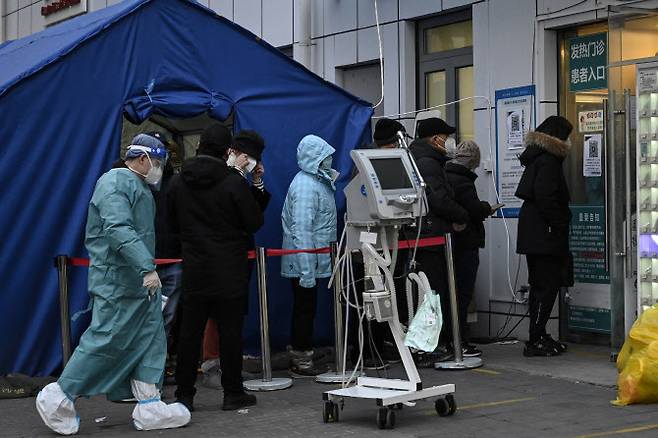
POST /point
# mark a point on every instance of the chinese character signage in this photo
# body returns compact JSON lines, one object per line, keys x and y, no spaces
{"x":515,"y":116}
{"x":588,"y":60}
{"x":590,"y":121}
{"x":587,"y":244}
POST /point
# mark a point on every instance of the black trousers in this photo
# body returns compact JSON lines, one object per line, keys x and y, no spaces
{"x":229,"y":315}
{"x":303,"y":315}
{"x":545,"y":274}
{"x":433,"y":264}
{"x":467,"y":262}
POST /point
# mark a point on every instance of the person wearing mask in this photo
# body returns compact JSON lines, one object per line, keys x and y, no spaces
{"x":309,"y":221}
{"x":214,"y":213}
{"x":245,"y":158}
{"x":123,"y":351}
{"x":432,"y":150}
{"x":543,"y":230}
{"x":467,"y":243}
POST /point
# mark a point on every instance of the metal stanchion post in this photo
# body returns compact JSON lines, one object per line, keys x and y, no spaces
{"x":62,"y":265}
{"x":337,"y":376}
{"x":460,"y":362}
{"x":267,"y":383}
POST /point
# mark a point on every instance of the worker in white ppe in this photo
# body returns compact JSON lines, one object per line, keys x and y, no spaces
{"x":122,"y":353}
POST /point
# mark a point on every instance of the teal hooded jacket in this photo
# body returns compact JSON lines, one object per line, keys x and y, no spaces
{"x":309,"y":214}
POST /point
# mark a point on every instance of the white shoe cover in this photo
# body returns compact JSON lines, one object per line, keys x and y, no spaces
{"x":151,"y":413}
{"x":57,"y":410}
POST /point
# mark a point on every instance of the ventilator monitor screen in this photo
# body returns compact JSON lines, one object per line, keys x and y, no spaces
{"x":391,"y":173}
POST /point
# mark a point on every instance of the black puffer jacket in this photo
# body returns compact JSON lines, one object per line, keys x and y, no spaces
{"x":462,"y":181}
{"x":443,"y":209}
{"x":545,"y":216}
{"x":215,"y":214}
{"x":167,"y":243}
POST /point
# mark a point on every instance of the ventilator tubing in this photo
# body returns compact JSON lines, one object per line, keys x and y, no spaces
{"x":151,"y":413}
{"x":57,"y":410}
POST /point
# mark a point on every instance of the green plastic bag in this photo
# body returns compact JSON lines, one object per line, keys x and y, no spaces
{"x":424,"y":330}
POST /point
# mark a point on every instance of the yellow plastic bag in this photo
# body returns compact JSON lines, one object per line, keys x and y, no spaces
{"x":637,"y":362}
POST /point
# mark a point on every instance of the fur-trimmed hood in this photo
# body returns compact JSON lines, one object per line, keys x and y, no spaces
{"x":537,"y":143}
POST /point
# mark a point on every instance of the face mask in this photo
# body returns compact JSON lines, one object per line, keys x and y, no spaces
{"x":251,"y":165}
{"x":154,"y":175}
{"x":233,"y":158}
{"x":451,"y":147}
{"x":333,"y":174}
{"x":326,"y":163}
{"x":230,"y":162}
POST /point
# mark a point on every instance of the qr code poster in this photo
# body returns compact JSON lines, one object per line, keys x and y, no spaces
{"x":592,"y":158}
{"x":516,"y":128}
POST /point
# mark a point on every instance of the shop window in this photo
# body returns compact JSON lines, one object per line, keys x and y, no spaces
{"x":445,"y":68}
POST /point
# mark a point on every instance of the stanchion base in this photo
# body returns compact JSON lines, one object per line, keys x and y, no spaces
{"x":337,"y":377}
{"x":273,"y":385}
{"x":467,"y":363}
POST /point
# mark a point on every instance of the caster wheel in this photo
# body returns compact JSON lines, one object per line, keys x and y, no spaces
{"x":442,"y":407}
{"x":330,"y":412}
{"x":381,"y":418}
{"x":336,"y":412}
{"x":452,"y":403}
{"x":397,"y":406}
{"x":390,"y":419}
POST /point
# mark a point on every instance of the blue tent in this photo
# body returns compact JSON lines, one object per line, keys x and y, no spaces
{"x":63,"y":95}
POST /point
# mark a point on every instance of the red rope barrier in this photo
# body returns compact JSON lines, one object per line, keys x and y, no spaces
{"x":278,"y":252}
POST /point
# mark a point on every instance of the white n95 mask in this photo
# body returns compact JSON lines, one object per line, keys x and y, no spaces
{"x":154,"y":175}
{"x":251,"y":165}
{"x":451,"y":147}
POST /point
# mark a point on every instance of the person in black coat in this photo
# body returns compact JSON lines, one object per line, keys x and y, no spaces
{"x":445,"y":215}
{"x":214,"y":212}
{"x":467,"y":243}
{"x":543,"y":230}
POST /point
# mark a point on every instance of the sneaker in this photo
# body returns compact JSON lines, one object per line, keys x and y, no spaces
{"x":539,"y":348}
{"x":558,"y":346}
{"x":427,"y":360}
{"x":469,"y":350}
{"x":235,"y":401}
{"x":302,"y":364}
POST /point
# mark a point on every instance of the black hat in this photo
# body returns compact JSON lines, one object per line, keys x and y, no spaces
{"x":433,"y":126}
{"x":215,"y":140}
{"x":250,"y":143}
{"x":556,"y":126}
{"x":386,"y":131}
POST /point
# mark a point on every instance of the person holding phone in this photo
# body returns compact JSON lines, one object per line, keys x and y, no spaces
{"x":467,"y":243}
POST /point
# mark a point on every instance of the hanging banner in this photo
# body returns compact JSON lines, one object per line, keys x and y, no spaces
{"x":515,"y":116}
{"x":590,"y":121}
{"x":592,"y":155}
{"x":588,"y":61}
